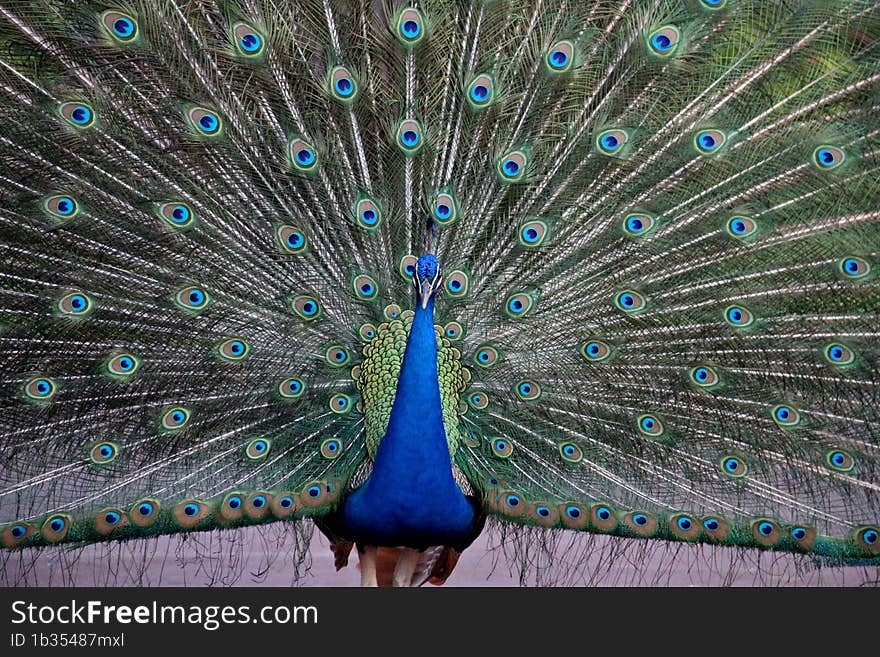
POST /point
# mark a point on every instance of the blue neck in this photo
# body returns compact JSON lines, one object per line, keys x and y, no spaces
{"x":411,"y":497}
{"x":415,"y":437}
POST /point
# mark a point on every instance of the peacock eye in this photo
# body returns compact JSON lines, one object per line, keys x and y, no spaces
{"x":733,"y":466}
{"x":61,"y":206}
{"x":331,"y":448}
{"x":512,"y":166}
{"x":709,"y":142}
{"x":738,"y":317}
{"x":573,"y":512}
{"x":77,"y":114}
{"x":664,"y":41}
{"x":711,"y":524}
{"x":603,"y":513}
{"x":206,"y":122}
{"x":828,"y":157}
{"x":191,"y":509}
{"x":249,"y":42}
{"x":409,"y":136}
{"x":122,"y":27}
{"x":192,"y":298}
{"x":337,"y":356}
{"x":145,"y":509}
{"x":684,"y":524}
{"x":257,"y":449}
{"x":630,"y":301}
{"x":785,"y":415}
{"x":481,"y":91}
{"x":175,"y":418}
{"x":40,"y":389}
{"x":638,"y":224}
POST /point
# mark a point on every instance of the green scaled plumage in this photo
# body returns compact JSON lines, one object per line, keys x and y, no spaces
{"x":658,"y":222}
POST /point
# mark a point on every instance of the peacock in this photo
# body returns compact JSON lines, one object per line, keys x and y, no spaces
{"x":411,"y":270}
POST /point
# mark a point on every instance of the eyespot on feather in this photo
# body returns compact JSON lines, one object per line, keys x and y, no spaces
{"x":650,"y":425}
{"x":177,"y":215}
{"x":75,"y":304}
{"x":337,"y":356}
{"x":258,"y":505}
{"x":108,"y":520}
{"x":595,"y":351}
{"x":205,"y":122}
{"x":453,"y":331}
{"x":16,"y":533}
{"x":234,"y":349}
{"x":285,"y":504}
{"x":603,"y":518}
{"x":456,"y":284}
{"x":410,"y":28}
{"x":121,"y":27}
{"x":868,"y":538}
{"x":365,"y":288}
{"x":249,"y":42}
{"x":478,"y":400}
{"x":303,"y":156}
{"x":307,"y":307}
{"x":684,"y":527}
{"x":512,"y":503}
{"x":854,"y":267}
{"x":544,"y":513}
{"x":481,"y":91}
{"x":803,"y":536}
{"x":638,"y":224}
{"x":291,"y":239}
{"x":258,"y":449}
{"x":630,"y":301}
{"x":190,"y":513}
{"x":573,"y":515}
{"x":291,"y":388}
{"x":704,"y":376}
{"x":560,"y":57}
{"x":512,"y":166}
{"x":192,"y":298}
{"x":175,"y":418}
{"x":368,"y":214}
{"x":40,"y":388}
{"x":444,"y":208}
{"x":340,"y":403}
{"x":103,"y":452}
{"x":501,"y":447}
{"x":533,"y":233}
{"x":571,"y":452}
{"x":840,"y":460}
{"x":342,"y":84}
{"x":837,"y":353}
{"x":391,"y":311}
{"x":519,"y":305}
{"x":766,"y":532}
{"x":733,"y":466}
{"x":611,"y":142}
{"x":144,"y":512}
{"x":664,"y":41}
{"x":709,"y":142}
{"x":486,"y":356}
{"x":56,"y":527}
{"x":715,"y":528}
{"x":785,"y":415}
{"x":61,"y":206}
{"x":527,"y":390}
{"x":367,"y":332}
{"x":331,"y":448}
{"x":827,"y":158}
{"x":78,"y":114}
{"x":741,"y":227}
{"x":409,"y":136}
{"x":640,"y":523}
{"x":738,"y":316}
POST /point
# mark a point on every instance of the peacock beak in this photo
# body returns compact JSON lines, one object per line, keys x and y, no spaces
{"x":427,"y":288}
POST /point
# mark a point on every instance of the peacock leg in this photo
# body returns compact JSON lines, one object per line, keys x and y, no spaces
{"x":406,"y":566}
{"x":367,"y":562}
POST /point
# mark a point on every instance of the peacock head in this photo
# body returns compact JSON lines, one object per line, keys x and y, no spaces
{"x":427,"y":278}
